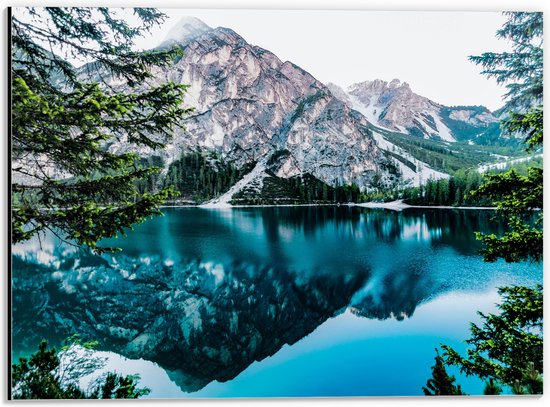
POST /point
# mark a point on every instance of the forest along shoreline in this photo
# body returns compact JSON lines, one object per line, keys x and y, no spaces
{"x":394,"y":205}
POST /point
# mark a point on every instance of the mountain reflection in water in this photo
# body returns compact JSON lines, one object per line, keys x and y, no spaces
{"x":204,"y":293}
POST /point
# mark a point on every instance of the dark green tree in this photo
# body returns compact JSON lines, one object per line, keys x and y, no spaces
{"x":492,"y":388}
{"x":522,"y":72}
{"x":441,"y":384}
{"x":508,"y":347}
{"x":531,"y":382}
{"x":49,"y":374}
{"x":518,"y":198}
{"x":115,"y":386}
{"x":64,"y":177}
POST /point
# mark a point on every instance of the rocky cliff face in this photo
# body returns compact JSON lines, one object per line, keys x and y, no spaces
{"x":249,"y":104}
{"x":250,"y":107}
{"x":394,"y":106}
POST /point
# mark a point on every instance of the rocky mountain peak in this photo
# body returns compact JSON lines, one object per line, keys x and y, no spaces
{"x":394,"y":83}
{"x":187,"y":28}
{"x":395,"y":106}
{"x":254,"y":110}
{"x":250,"y":105}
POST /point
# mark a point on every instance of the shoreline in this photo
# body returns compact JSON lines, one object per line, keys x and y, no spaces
{"x":398,"y":205}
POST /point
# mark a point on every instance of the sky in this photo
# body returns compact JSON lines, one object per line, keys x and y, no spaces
{"x":427,"y":49}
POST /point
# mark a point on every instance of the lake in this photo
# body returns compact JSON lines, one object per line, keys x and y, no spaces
{"x":274,"y":301}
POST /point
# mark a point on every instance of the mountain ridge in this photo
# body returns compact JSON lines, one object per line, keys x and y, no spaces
{"x":395,"y":107}
{"x":250,"y":106}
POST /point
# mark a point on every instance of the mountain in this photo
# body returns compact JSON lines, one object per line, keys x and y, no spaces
{"x":250,"y":106}
{"x":290,"y":138}
{"x":395,"y":107}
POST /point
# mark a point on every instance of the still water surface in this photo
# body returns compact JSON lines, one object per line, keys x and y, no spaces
{"x":252,"y":302}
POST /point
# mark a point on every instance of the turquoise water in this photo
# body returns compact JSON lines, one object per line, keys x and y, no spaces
{"x":282,"y":302}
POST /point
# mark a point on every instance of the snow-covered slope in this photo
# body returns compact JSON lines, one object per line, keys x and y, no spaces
{"x":394,"y":106}
{"x":257,"y":173}
{"x":414,"y":171}
{"x":505,"y":163}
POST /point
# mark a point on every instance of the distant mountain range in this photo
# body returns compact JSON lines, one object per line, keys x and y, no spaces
{"x":394,"y":106}
{"x":255,"y":110}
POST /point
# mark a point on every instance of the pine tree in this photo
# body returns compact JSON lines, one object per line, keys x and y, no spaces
{"x":441,"y":384}
{"x":44,"y":376}
{"x":531,"y":382}
{"x":508,"y":347}
{"x":492,"y":388}
{"x":64,"y":178}
{"x":518,"y":198}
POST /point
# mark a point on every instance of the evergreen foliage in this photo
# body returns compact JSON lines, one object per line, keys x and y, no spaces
{"x":519,"y":201}
{"x":48,"y":374}
{"x":199,"y":177}
{"x":300,"y":189}
{"x":518,"y":198}
{"x":453,"y":191}
{"x":531,"y":382}
{"x":458,"y":190}
{"x":441,"y":384}
{"x":450,"y":157}
{"x":508,"y":348}
{"x":65,"y":179}
{"x":492,"y":388}
{"x":487,"y":135}
{"x":522,"y":167}
{"x":522,"y":72}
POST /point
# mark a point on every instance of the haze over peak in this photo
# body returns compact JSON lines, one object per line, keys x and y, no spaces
{"x":185,"y":28}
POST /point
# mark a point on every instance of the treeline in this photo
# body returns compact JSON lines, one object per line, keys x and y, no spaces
{"x":301,"y":189}
{"x":151,"y":182}
{"x":196,"y":176}
{"x":522,"y":167}
{"x":448,"y":158}
{"x":201,"y":176}
{"x":453,"y":191}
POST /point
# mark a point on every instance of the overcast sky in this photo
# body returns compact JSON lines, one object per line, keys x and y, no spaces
{"x":429,"y":50}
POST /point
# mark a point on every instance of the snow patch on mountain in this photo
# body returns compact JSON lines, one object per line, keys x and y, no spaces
{"x":394,"y":106}
{"x":258,"y":172}
{"x":370,"y":112}
{"x":442,"y":130}
{"x":422,"y":173}
{"x":503,"y":164}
